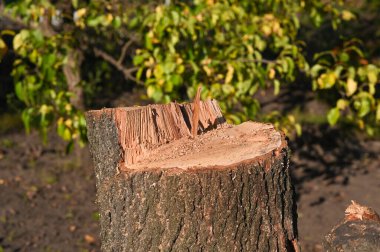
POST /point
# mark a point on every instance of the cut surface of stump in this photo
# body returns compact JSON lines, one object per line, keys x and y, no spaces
{"x":159,"y":188}
{"x":226,"y":146}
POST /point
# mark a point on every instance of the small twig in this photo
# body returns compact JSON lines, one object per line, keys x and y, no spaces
{"x":119,"y":66}
{"x":9,"y":20}
{"x":124,"y":50}
{"x":196,"y":107}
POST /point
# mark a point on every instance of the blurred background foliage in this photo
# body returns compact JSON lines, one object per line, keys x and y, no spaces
{"x":262,"y":60}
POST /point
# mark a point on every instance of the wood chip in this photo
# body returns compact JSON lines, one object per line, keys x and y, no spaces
{"x":356,"y":211}
{"x":89,"y":239}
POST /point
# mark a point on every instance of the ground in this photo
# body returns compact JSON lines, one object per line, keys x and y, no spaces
{"x":47,"y":198}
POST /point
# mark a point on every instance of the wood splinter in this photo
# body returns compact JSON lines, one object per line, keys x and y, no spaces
{"x":196,"y":105}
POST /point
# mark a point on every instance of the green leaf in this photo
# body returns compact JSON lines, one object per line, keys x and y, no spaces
{"x":116,"y":22}
{"x":176,"y":79}
{"x":168,"y":86}
{"x":158,"y":71}
{"x":3,"y":49}
{"x":372,"y":73}
{"x":26,"y":118}
{"x":254,"y":89}
{"x":228,"y":89}
{"x":298,"y":128}
{"x":231,"y":118}
{"x":138,"y":59}
{"x":342,"y":104}
{"x":365,"y":107}
{"x":314,"y":71}
{"x":229,"y":74}
{"x":95,"y":21}
{"x":378,"y":112}
{"x":370,"y":130}
{"x":155,"y":93}
{"x":347,"y":15}
{"x":66,"y":134}
{"x":371,"y":88}
{"x":61,"y":129}
{"x":243,"y":87}
{"x":74,"y":3}
{"x":333,"y":116}
{"x":338,"y":70}
{"x":139,"y":73}
{"x":168,"y":67}
{"x":175,"y":17}
{"x":276,"y":87}
{"x":38,"y":37}
{"x":20,"y":91}
{"x":327,"y":80}
{"x":20,"y":39}
{"x":351,"y":87}
{"x":344,"y":57}
{"x":48,"y":60}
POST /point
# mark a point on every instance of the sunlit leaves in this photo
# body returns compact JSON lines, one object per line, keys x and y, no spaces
{"x":327,"y":80}
{"x":40,"y":84}
{"x":78,"y":17}
{"x":347,"y":15}
{"x":154,"y":92}
{"x":222,"y":46}
{"x":351,"y":87}
{"x":229,"y":74}
{"x":378,"y":111}
{"x":333,"y":116}
{"x":19,"y":41}
{"x":355,"y":81}
{"x":236,"y":50}
{"x":372,"y":73}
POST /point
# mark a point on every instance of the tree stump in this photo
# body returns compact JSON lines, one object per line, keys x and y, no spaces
{"x":159,"y":188}
{"x":358,"y":231}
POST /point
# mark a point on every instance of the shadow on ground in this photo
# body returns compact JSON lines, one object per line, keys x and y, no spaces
{"x":329,"y":169}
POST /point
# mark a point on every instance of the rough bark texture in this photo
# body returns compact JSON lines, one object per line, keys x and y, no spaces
{"x":359,"y":231}
{"x":244,"y":207}
{"x":354,"y":236}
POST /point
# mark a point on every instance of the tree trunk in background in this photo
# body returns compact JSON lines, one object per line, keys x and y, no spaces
{"x":158,"y":189}
{"x":72,"y":74}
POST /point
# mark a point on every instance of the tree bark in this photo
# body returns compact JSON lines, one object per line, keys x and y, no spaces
{"x":229,"y":189}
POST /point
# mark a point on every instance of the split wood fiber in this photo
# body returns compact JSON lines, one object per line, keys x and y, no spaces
{"x":145,"y":128}
{"x":243,"y":206}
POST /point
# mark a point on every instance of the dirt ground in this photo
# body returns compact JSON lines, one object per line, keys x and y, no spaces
{"x":47,"y":199}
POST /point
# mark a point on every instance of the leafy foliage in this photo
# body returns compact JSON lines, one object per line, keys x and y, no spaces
{"x":349,"y":73}
{"x":239,"y":51}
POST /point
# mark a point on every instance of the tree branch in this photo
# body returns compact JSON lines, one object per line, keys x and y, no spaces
{"x":12,"y":23}
{"x":265,"y":61}
{"x":127,"y":72}
{"x":124,"y":50}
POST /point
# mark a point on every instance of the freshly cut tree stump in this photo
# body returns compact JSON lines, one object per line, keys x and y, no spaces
{"x":159,"y":188}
